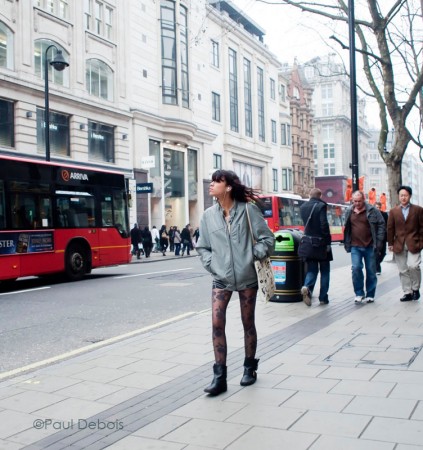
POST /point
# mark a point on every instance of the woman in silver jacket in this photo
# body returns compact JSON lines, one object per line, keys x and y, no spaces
{"x":227,"y":251}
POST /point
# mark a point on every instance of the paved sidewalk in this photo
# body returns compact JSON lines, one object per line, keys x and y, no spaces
{"x":158,"y":256}
{"x":341,"y":376}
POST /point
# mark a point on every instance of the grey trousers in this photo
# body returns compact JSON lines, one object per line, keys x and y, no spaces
{"x":409,"y":270}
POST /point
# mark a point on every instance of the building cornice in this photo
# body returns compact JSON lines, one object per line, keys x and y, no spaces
{"x":59,"y":92}
{"x":172,"y":128}
{"x":238,"y":30}
{"x":244,"y":154}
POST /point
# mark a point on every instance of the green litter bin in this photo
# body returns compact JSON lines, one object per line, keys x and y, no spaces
{"x":288,"y":267}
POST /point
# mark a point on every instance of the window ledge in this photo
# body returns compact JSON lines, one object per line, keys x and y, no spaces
{"x":50,"y":16}
{"x":101,"y":39}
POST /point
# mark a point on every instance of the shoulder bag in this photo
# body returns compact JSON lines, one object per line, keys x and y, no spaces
{"x":312,"y":247}
{"x":265,"y":275}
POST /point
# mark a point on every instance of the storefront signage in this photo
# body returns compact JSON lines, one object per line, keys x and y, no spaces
{"x":26,"y":242}
{"x":144,"y":188}
{"x":148,"y":162}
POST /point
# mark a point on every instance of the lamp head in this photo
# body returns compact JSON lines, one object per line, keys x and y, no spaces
{"x":59,"y":63}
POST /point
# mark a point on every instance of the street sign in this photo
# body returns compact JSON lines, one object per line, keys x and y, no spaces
{"x":144,"y":188}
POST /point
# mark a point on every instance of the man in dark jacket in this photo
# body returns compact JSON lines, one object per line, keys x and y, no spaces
{"x":186,"y":240}
{"x":364,"y":236}
{"x":136,"y":240}
{"x":314,"y":216}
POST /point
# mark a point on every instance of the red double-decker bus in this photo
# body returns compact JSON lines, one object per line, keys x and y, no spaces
{"x":60,"y":218}
{"x":283,"y":212}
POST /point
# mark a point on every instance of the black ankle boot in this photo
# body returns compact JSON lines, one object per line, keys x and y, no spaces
{"x":250,"y":374}
{"x":218,"y":385}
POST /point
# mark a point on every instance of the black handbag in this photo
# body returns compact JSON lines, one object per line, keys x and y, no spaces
{"x":312,"y":247}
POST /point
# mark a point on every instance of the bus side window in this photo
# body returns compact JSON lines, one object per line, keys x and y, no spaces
{"x":24,"y":209}
{"x":44,"y":217}
{"x":61,"y":218}
{"x":106,"y":211}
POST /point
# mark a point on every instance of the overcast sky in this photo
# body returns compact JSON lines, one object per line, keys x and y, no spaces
{"x":292,"y":34}
{"x":289,"y":32}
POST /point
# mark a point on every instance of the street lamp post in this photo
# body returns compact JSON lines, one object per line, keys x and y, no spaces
{"x":59,"y":64}
{"x":353,"y":98}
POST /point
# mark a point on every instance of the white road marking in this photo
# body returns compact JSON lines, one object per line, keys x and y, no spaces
{"x":87,"y":348}
{"x":151,"y":273}
{"x":26,"y":290}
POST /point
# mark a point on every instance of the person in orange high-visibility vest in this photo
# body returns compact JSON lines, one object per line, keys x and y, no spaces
{"x":348,"y":194}
{"x":372,"y":196}
{"x":348,"y":191}
{"x":382,"y":200}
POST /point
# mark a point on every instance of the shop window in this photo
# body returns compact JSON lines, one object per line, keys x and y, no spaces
{"x":59,"y":133}
{"x":7,"y":135}
{"x":101,"y":145}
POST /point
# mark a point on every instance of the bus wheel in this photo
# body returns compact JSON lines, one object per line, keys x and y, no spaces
{"x":76,"y":263}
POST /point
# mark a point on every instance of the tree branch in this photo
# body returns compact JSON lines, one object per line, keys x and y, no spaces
{"x":310,"y":7}
{"x":359,"y":50}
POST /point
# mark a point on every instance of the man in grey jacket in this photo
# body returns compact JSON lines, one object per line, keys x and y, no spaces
{"x":364,"y":235}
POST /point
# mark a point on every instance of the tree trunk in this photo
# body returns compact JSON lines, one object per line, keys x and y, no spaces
{"x":394,"y":180}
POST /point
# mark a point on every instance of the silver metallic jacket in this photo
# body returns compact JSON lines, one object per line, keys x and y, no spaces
{"x":226,"y":249}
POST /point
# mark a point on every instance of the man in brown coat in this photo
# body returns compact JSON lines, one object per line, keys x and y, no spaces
{"x":405,"y":239}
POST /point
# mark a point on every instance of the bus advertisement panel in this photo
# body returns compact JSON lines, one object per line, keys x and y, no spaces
{"x":283,"y":212}
{"x":56,"y":218}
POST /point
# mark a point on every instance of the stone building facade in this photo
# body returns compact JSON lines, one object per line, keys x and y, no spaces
{"x":300,"y":94}
{"x":164,"y":92}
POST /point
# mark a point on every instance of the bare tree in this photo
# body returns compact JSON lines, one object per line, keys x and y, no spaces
{"x":390,"y":36}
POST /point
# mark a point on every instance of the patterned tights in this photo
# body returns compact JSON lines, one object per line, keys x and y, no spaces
{"x":220,"y":301}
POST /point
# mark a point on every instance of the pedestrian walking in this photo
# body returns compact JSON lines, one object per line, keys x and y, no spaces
{"x":227,"y":251}
{"x":147,"y":241}
{"x":195,"y":236}
{"x":382,"y":200}
{"x":136,"y":241}
{"x":372,"y":196}
{"x":177,"y":241}
{"x":164,"y":239}
{"x":314,"y":215}
{"x":171,"y":236}
{"x":155,"y":235}
{"x":186,"y":240}
{"x":405,"y":239}
{"x":363,"y":235}
{"x":380,"y":255}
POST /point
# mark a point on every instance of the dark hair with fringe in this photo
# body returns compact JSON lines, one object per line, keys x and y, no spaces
{"x":239,"y":192}
{"x":406,"y":188}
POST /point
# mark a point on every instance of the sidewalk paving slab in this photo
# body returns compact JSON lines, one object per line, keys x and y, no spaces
{"x":337,"y":376}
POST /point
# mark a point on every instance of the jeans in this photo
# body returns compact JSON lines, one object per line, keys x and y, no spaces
{"x":177,"y":248}
{"x":311,"y":277}
{"x":369,"y":256}
{"x":186,"y":246}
